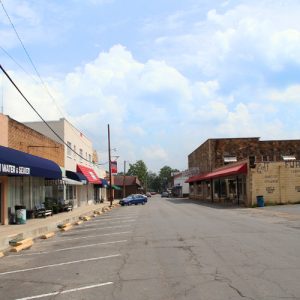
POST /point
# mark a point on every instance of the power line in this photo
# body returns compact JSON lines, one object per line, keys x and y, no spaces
{"x":20,"y":66}
{"x":28,"y":102}
{"x":29,"y":75}
{"x":29,"y":58}
{"x":33,"y":65}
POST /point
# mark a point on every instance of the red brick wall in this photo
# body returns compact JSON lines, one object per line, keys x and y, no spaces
{"x":23,"y":138}
{"x":211,"y":154}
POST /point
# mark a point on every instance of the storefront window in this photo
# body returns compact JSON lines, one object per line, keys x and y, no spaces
{"x":27,"y":191}
{"x":70,"y":192}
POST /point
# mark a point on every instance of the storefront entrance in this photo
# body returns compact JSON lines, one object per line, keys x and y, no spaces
{"x":0,"y":203}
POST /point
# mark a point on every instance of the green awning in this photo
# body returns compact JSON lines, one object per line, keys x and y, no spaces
{"x":115,"y":187}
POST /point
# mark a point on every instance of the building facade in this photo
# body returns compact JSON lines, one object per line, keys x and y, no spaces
{"x":215,"y":153}
{"x":79,"y":158}
{"x":27,"y":160}
{"x":180,"y":186}
{"x":241,"y":170}
{"x":127,"y":185}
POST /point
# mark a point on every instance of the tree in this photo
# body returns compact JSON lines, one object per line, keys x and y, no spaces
{"x":139,"y":169}
{"x":165,"y":176}
{"x":153,"y":182}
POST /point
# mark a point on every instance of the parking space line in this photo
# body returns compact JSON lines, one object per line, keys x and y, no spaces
{"x":71,"y":248}
{"x":88,"y":236}
{"x":110,"y":222}
{"x":115,"y":220}
{"x":60,"y":264}
{"x":101,"y":228}
{"x":119,"y":218}
{"x":67,"y":291}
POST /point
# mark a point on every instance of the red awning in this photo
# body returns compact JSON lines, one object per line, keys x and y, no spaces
{"x":89,"y":174}
{"x":228,"y":171}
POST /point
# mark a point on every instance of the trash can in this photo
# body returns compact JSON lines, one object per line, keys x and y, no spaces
{"x":20,"y":214}
{"x":260,"y":201}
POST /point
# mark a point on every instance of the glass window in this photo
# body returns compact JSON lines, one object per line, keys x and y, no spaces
{"x":74,"y":154}
{"x":70,"y":192}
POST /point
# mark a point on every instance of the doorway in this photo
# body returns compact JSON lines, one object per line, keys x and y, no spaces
{"x":0,"y":203}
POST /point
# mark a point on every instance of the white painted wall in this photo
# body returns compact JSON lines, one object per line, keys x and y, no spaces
{"x":180,"y":180}
{"x":69,"y":134}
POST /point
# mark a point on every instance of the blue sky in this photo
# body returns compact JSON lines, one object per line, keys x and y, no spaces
{"x":166,"y":75}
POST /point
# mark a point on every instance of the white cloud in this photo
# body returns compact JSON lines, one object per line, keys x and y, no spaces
{"x":155,"y":152}
{"x":213,"y":73}
{"x":137,"y":130}
{"x":289,"y":95}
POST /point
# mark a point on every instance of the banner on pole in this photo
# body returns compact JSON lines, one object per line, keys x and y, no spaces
{"x":114,"y":167}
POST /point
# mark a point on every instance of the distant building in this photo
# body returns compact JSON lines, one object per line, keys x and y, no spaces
{"x":180,"y":187}
{"x":215,"y":153}
{"x":128,"y":185}
{"x":239,"y":170}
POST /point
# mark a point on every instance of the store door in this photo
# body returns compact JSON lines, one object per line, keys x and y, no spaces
{"x":0,"y":204}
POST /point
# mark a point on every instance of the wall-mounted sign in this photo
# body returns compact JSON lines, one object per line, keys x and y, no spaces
{"x":9,"y":169}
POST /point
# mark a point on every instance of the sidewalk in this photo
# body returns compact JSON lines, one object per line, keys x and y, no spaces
{"x":36,"y":227}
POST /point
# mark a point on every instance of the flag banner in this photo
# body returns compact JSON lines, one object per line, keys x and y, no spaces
{"x":114,"y":167}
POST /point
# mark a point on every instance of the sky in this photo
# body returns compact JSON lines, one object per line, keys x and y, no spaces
{"x":166,"y":75}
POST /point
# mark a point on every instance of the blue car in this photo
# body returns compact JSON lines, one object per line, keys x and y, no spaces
{"x":133,"y":199}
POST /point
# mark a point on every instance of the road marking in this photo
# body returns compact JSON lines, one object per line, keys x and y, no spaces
{"x":88,"y":236}
{"x":108,"y":219}
{"x":117,"y":222}
{"x":66,"y":291}
{"x":71,"y":248}
{"x":60,"y":264}
{"x":100,"y":228}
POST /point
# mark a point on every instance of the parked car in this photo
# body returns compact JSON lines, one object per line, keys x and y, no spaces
{"x":142,"y":196}
{"x":165,"y":194}
{"x":148,"y":194}
{"x":134,"y":199}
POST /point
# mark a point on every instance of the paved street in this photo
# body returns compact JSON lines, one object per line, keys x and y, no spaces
{"x":166,"y":249}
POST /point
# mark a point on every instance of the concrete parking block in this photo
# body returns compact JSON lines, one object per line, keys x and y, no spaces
{"x":78,"y":222}
{"x":25,"y":245}
{"x":48,"y":235}
{"x":1,"y":254}
{"x":86,"y":218}
{"x":66,"y":228}
{"x":64,"y":225}
{"x":19,"y":242}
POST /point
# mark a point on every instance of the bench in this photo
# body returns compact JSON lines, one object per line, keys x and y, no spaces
{"x":41,"y":211}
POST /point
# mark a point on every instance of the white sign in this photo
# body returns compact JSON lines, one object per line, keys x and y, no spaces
{"x":14,"y":170}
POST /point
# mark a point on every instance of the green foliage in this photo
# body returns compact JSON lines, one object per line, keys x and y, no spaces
{"x":139,"y":169}
{"x":150,"y":180}
{"x":165,"y":176}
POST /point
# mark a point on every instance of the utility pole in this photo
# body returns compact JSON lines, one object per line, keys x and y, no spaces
{"x":109,"y":163}
{"x":124,"y":193}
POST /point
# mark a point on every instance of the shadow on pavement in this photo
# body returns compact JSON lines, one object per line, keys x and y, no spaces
{"x":205,"y":203}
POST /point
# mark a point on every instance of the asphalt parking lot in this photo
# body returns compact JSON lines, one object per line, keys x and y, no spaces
{"x":77,"y":263}
{"x":168,"y":249}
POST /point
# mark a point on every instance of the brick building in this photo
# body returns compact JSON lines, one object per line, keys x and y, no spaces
{"x":18,"y":136}
{"x":22,"y":148}
{"x":128,"y":185}
{"x":215,"y":153}
{"x":237,"y":170}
